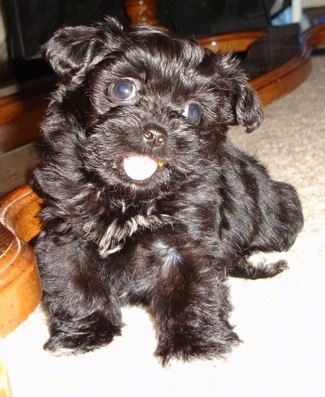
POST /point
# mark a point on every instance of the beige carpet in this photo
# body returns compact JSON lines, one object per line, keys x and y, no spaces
{"x":280,"y":320}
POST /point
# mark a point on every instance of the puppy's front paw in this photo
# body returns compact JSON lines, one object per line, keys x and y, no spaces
{"x":80,"y":336}
{"x":190,"y":343}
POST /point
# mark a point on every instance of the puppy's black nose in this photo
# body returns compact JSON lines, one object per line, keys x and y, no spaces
{"x":154,"y":136}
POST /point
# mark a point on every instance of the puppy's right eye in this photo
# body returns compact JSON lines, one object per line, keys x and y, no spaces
{"x":193,"y":112}
{"x":124,"y":90}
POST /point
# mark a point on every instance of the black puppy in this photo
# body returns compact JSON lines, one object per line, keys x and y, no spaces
{"x":145,"y":202}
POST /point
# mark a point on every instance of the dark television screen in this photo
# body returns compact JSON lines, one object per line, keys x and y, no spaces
{"x":30,"y":23}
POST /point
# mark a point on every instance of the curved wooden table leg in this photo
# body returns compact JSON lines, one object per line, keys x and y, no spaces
{"x":20,"y":287}
{"x":142,"y":11}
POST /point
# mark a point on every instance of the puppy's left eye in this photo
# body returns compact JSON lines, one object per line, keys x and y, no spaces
{"x":124,"y":90}
{"x":193,"y":112}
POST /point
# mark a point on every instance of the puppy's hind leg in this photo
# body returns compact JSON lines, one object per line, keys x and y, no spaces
{"x":260,"y":269}
{"x":280,"y":221}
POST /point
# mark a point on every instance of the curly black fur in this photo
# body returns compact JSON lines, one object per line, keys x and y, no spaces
{"x":167,"y":241}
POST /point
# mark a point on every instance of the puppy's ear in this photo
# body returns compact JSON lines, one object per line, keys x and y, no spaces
{"x":247,"y":107}
{"x":243,"y":103}
{"x":73,"y":51}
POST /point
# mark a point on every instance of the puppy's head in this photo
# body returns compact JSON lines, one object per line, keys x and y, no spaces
{"x":146,"y":108}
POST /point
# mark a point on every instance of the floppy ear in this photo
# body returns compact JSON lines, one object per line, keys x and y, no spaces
{"x":247,"y":107}
{"x":243,"y":103}
{"x":73,"y":51}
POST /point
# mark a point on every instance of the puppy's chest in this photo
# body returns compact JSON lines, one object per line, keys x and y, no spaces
{"x":125,"y":220}
{"x":184,"y":217}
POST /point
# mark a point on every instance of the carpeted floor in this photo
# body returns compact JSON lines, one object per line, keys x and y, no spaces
{"x":281,"y":320}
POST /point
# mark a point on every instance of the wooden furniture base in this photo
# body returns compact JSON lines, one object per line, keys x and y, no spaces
{"x":20,"y":288}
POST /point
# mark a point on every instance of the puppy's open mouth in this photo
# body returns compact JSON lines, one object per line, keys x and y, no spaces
{"x":141,"y":167}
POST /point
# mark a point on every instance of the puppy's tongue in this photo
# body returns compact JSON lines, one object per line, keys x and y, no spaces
{"x":139,"y":167}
